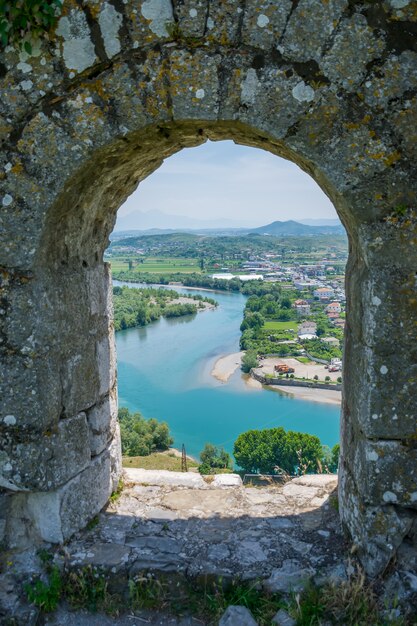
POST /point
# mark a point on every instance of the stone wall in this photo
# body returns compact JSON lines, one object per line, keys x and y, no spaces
{"x":120,"y":86}
{"x":290,"y":382}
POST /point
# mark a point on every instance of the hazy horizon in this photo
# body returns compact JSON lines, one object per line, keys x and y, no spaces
{"x":226,"y":185}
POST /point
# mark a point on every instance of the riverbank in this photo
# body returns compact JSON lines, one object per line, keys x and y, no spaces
{"x":165,"y":372}
{"x":326,"y":396}
{"x":226,"y":365}
{"x":323,"y":396}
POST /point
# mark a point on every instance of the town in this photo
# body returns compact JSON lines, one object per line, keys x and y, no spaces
{"x":295,"y":286}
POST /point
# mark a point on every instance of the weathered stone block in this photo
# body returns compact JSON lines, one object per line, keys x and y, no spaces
{"x":310,"y":25}
{"x":223,"y":22}
{"x":237,"y":616}
{"x":106,"y":362}
{"x":353,"y":39}
{"x":115,"y":449}
{"x":391,"y":80}
{"x":31,"y":392}
{"x":56,"y":515}
{"x":374,"y":461}
{"x":192,"y":17}
{"x":149,"y":21}
{"x":48,"y":461}
{"x":77,"y":49}
{"x":377,"y":531}
{"x":264,"y":23}
{"x":194,"y":84}
{"x":291,"y":577}
{"x":102,"y":419}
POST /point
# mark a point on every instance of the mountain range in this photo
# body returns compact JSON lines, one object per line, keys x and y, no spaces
{"x":158,"y":220}
{"x":289,"y":228}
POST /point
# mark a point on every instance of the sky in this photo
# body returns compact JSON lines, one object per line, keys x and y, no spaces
{"x":220,"y":181}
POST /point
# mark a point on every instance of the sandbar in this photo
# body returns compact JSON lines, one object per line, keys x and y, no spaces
{"x":226,"y":365}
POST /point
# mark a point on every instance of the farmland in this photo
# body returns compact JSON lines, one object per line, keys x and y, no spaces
{"x":157,"y":265}
{"x":272,"y":325}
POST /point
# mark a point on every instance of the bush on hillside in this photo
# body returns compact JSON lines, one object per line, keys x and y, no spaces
{"x":213,"y":458}
{"x":141,"y":437}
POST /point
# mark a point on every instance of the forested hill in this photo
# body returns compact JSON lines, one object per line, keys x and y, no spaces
{"x":292,"y":228}
{"x":194,"y":246}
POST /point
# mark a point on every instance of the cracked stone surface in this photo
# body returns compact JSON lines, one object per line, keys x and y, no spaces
{"x":248,"y":532}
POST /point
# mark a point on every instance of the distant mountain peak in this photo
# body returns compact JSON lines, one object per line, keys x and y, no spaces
{"x":291,"y":227}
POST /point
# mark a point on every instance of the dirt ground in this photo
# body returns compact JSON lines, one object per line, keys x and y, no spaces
{"x":308,"y":370}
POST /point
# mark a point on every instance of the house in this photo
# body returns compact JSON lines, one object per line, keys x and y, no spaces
{"x":307,"y":330}
{"x":331,"y":341}
{"x":333,"y":307}
{"x":302,"y":284}
{"x":332,"y":316}
{"x":339,"y":322}
{"x":302,"y":307}
{"x":324,"y":293}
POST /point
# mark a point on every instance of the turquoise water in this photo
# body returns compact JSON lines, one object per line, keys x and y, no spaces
{"x":164,"y":372}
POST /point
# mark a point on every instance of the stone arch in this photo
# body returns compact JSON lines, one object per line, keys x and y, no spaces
{"x":328,"y":85}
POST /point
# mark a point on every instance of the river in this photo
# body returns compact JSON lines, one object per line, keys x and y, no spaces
{"x":164,"y":372}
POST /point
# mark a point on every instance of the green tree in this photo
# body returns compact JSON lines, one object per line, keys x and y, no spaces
{"x":334,"y":466}
{"x":139,"y":436}
{"x":249,"y":360}
{"x":271,"y":450}
{"x":212,"y":458}
{"x":284,"y":315}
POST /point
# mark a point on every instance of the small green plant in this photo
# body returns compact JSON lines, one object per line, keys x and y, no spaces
{"x":334,"y":502}
{"x":22,"y":21}
{"x":401,"y":210}
{"x":46,"y":595}
{"x":353,"y":601}
{"x":93,"y":523}
{"x":86,"y":588}
{"x":117,"y":493}
{"x":174,"y":31}
{"x":145,"y":592}
{"x":44,"y":556}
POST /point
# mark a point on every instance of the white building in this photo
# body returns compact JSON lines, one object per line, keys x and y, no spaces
{"x":324,"y":293}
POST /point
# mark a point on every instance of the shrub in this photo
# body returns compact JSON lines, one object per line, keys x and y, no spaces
{"x":249,"y":360}
{"x":140,"y":437}
{"x":327,"y":379}
{"x":214,"y":457}
{"x":25,"y":20}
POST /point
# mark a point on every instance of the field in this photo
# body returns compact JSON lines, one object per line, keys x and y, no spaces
{"x":157,"y":461}
{"x":280,"y":325}
{"x":156,"y":265}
